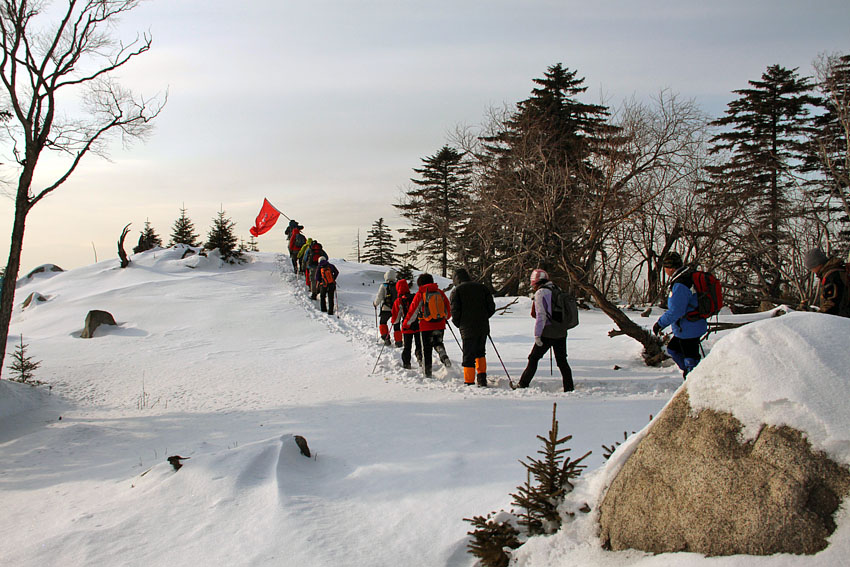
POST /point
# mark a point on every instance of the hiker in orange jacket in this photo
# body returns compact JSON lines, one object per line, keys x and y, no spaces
{"x":431,"y":308}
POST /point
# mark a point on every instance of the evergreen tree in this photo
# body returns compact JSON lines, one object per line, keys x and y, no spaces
{"x":222,"y":237}
{"x":148,"y":239}
{"x":765,"y":132}
{"x":183,"y":231}
{"x":437,"y":207}
{"x":540,"y":181}
{"x":379,"y":247}
{"x":23,"y":365}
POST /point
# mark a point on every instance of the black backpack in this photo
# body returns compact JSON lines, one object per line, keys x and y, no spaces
{"x":300,"y":240}
{"x":390,"y":295}
{"x":564,"y":310}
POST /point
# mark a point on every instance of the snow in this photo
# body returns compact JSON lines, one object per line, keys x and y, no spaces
{"x":225,"y":364}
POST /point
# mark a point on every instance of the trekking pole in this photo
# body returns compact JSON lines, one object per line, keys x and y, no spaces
{"x":379,"y":358}
{"x":551,"y":371}
{"x":455,"y":336}
{"x":511,"y":382}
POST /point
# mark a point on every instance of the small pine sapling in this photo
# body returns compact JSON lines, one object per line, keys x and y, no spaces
{"x":492,"y":536}
{"x":23,"y":365}
{"x":552,"y":476}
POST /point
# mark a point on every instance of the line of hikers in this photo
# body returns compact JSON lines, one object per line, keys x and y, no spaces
{"x":694,"y":296}
{"x":418,"y":322}
{"x":309,"y":258}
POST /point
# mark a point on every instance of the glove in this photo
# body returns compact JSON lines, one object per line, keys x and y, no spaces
{"x":538,"y":341}
{"x":656,"y":329}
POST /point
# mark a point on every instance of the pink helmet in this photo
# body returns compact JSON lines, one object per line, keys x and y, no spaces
{"x":538,"y":275}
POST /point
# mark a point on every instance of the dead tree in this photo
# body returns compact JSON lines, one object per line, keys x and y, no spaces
{"x":125,"y":261}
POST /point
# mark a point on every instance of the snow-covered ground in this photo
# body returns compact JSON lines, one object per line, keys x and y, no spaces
{"x":223,"y":365}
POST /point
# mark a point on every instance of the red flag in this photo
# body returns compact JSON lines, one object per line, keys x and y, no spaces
{"x":265,"y":220}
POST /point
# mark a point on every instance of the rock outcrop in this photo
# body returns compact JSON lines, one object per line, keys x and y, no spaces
{"x":692,"y":485}
{"x":95,"y":319}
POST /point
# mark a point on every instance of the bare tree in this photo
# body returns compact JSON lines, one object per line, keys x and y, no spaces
{"x":43,"y":64}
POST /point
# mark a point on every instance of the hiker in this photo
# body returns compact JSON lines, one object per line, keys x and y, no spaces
{"x":683,"y":348}
{"x":834,"y":292}
{"x":326,"y":275}
{"x":316,"y":253}
{"x":472,"y":306}
{"x":431,"y":308}
{"x":302,"y":254}
{"x":546,"y":334}
{"x":385,"y":299}
{"x":410,"y":335}
{"x":296,"y":241}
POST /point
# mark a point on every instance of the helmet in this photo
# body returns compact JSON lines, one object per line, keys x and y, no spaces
{"x":538,"y":275}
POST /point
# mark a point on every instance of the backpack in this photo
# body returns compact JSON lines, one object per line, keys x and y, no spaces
{"x":390,"y":295}
{"x":315,"y":252}
{"x":300,"y":241}
{"x":844,"y":276}
{"x":564,"y":310}
{"x":433,"y":306}
{"x":404,"y":307}
{"x":327,"y":275}
{"x":709,"y":296}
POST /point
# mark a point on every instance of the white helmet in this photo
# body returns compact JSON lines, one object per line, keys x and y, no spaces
{"x":538,"y":275}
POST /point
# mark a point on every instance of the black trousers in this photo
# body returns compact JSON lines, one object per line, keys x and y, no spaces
{"x":432,"y":340}
{"x":409,"y":340}
{"x":559,"y":347}
{"x":326,"y":297}
{"x":474,"y":346}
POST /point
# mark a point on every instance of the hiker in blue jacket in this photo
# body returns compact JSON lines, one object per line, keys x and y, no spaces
{"x":683,"y":348}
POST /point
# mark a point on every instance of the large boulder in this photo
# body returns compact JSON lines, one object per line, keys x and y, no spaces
{"x":723,"y":470}
{"x":95,"y":319}
{"x":692,"y":485}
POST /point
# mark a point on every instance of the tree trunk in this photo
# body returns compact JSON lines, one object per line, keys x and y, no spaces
{"x":13,"y":265}
{"x":653,"y":354}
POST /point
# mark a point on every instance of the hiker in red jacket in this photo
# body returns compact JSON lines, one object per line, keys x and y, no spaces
{"x":431,"y":308}
{"x":410,"y":335}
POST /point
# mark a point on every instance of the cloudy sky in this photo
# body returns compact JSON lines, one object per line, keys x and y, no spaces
{"x":324,"y":107}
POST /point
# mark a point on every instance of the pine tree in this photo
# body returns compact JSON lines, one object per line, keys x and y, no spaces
{"x":379,"y":247}
{"x":765,"y":132}
{"x":437,"y":207}
{"x":23,"y":365}
{"x":553,"y":477}
{"x":183,"y":231}
{"x":148,"y":239}
{"x":222,"y":237}
{"x":540,"y":182}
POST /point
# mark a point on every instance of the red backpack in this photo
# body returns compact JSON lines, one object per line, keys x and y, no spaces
{"x":709,"y":296}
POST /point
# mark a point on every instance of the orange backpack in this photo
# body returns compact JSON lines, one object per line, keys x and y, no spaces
{"x":327,"y":275}
{"x":433,"y":306}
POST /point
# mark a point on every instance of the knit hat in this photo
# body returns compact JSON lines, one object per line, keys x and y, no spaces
{"x":672,"y":260}
{"x":814,"y":258}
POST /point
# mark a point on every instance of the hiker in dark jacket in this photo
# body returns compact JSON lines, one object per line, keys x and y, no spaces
{"x":294,"y":245}
{"x":683,"y":348}
{"x":431,"y":325}
{"x":472,"y":306}
{"x":313,"y":257}
{"x":326,"y":275}
{"x":410,"y":335}
{"x":546,"y":336}
{"x":832,"y":274}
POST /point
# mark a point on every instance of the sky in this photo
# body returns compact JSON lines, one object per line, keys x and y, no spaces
{"x":326,"y":107}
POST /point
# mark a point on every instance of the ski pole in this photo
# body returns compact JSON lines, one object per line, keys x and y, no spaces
{"x":511,"y":382}
{"x":379,"y":358}
{"x":455,"y":336}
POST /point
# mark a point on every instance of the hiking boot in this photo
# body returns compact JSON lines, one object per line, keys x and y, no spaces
{"x":444,"y":358}
{"x":482,"y":380}
{"x":427,"y":372}
{"x":406,"y":365}
{"x":386,"y":341}
{"x":398,"y":344}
